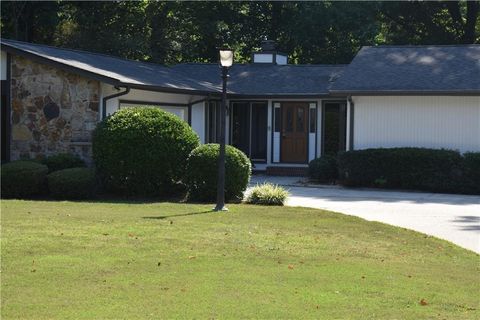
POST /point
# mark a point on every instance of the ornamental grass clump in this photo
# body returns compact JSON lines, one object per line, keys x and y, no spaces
{"x":268,"y":194}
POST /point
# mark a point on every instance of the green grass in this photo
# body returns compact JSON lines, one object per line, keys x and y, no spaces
{"x":163,"y":260}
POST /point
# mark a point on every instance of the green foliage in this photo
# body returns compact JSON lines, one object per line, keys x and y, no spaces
{"x":472,"y":170}
{"x":323,"y":169}
{"x":268,"y":194}
{"x":185,"y":31}
{"x":406,"y":168}
{"x":23,"y":179}
{"x":142,"y":151}
{"x":63,"y":161}
{"x":201,"y":175}
{"x":72,"y":183}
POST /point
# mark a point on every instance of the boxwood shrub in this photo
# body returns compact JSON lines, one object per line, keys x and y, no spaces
{"x":142,"y":151}
{"x":23,"y":179}
{"x":63,"y":161}
{"x":201,"y":176}
{"x":72,"y":183}
{"x":323,"y":169}
{"x":405,"y":168}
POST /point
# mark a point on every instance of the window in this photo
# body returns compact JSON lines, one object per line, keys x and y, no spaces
{"x":312,"y":119}
{"x":180,"y":111}
{"x":212,"y":126}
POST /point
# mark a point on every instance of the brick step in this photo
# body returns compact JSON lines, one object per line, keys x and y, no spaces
{"x":287,"y":171}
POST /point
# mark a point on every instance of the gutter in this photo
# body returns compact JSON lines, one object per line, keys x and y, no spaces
{"x":105,"y":99}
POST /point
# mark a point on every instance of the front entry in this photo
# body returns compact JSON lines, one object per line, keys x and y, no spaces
{"x":294,"y":132}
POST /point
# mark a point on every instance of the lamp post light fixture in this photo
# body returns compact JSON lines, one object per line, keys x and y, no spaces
{"x":226,"y":61}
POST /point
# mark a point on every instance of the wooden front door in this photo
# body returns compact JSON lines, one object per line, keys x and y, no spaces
{"x":294,"y":132}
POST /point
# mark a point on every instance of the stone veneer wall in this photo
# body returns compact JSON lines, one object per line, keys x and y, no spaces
{"x":53,"y":111}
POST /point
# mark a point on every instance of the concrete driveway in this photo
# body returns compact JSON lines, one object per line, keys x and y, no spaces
{"x":451,"y":217}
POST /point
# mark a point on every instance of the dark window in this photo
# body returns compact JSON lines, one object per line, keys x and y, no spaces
{"x":334,"y":128}
{"x":249,"y":128}
{"x":278,"y":120}
{"x":313,"y":120}
{"x":259,"y":132}
{"x":213,"y":109}
{"x":4,"y":121}
{"x":241,"y":126}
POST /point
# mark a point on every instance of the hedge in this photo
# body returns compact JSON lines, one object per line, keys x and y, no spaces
{"x":72,"y":183}
{"x":23,"y":179}
{"x":142,"y":151}
{"x":63,"y":161}
{"x":323,"y":169}
{"x":436,"y":170}
{"x":201,"y":175}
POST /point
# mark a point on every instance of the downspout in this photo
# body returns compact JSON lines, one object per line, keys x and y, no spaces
{"x":352,"y":105}
{"x":105,"y":99}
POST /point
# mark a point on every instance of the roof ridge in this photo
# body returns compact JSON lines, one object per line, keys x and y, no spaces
{"x":82,"y":52}
{"x":422,"y":45}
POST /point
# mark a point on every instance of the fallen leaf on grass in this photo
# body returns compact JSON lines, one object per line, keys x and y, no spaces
{"x":290,"y":267}
{"x":192,"y":257}
{"x":423,"y":302}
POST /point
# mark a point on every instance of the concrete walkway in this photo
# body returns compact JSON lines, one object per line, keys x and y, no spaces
{"x":451,"y":217}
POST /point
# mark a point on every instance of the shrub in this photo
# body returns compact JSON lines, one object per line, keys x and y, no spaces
{"x":23,"y":179}
{"x":323,"y":169}
{"x":409,"y":168}
{"x":72,"y":183}
{"x":472,"y":171}
{"x":201,"y":177}
{"x":142,"y":151}
{"x":63,"y":161}
{"x":268,"y":194}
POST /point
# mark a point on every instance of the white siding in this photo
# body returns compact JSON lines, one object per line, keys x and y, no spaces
{"x":198,"y":109}
{"x":198,"y":120}
{"x":3,"y":66}
{"x":429,"y":121}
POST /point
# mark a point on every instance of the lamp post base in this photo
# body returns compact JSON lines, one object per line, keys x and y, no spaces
{"x":220,"y":209}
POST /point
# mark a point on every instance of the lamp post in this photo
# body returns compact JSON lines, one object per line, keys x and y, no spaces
{"x":226,"y":61}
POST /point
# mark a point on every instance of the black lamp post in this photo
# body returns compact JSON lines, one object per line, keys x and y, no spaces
{"x":226,"y":61}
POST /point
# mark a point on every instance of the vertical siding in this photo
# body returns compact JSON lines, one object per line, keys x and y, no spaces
{"x":406,"y":121}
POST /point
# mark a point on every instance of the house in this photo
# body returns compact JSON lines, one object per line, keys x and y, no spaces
{"x":281,"y":115}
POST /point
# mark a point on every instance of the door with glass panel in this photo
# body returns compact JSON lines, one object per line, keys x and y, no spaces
{"x":294,"y":136}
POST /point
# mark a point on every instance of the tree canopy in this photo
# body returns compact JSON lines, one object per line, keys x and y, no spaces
{"x":172,"y":32}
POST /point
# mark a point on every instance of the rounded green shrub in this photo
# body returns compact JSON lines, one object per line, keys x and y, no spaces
{"x":22,"y":179}
{"x":201,"y":176}
{"x":142,"y":151}
{"x":323,"y":169}
{"x":72,"y":183}
{"x":268,"y":194}
{"x":63,"y":161}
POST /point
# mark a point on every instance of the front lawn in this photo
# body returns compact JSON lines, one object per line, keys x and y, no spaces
{"x":163,"y":260}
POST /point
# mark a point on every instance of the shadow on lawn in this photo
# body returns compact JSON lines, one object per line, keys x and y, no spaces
{"x":177,"y":215}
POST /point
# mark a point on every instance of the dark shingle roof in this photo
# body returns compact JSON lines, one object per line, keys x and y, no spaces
{"x":412,"y":69}
{"x":269,"y":80}
{"x":112,"y":69}
{"x":247,"y":79}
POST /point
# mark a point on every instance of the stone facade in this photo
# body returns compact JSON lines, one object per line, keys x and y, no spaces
{"x":53,"y":111}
